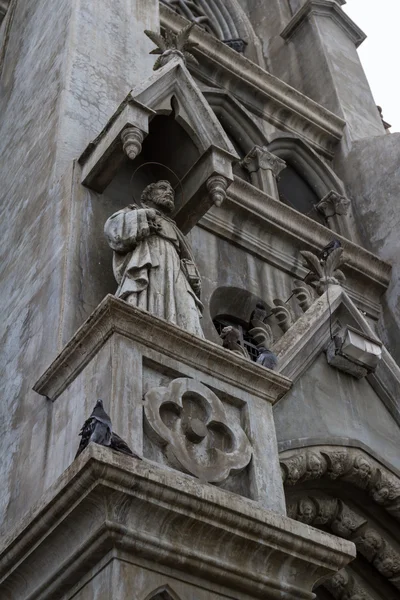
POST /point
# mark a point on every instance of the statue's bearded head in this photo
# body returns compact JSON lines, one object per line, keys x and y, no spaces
{"x":160,"y":195}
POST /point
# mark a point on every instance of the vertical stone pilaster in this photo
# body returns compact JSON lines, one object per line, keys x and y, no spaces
{"x":325,"y":40}
{"x":264,"y":168}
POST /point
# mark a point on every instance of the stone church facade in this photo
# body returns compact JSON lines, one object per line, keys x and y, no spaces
{"x":259,"y":128}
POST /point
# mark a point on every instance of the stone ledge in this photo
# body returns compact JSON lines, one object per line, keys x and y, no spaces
{"x":106,"y":501}
{"x":324,"y":8}
{"x":116,"y":316}
{"x":306,"y":231}
{"x":285,"y":107}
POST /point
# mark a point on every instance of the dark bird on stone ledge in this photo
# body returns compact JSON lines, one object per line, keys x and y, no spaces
{"x":98,"y":428}
{"x":325,"y":252}
{"x":259,"y":313}
{"x":266,"y":358}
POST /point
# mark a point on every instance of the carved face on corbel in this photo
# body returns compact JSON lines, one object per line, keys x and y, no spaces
{"x":160,"y":195}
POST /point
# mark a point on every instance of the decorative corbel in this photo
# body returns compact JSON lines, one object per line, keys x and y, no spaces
{"x":264,"y":168}
{"x":132,"y":140}
{"x":216,"y":187}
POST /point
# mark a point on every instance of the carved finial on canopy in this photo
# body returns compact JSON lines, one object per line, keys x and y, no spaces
{"x":323,"y":267}
{"x":172,"y":45}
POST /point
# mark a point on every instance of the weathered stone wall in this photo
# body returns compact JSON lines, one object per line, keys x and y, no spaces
{"x":66,"y":69}
{"x":373,"y":175}
{"x":328,"y":406}
{"x":33,"y":232}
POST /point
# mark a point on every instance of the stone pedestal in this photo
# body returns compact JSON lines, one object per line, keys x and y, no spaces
{"x":160,"y":385}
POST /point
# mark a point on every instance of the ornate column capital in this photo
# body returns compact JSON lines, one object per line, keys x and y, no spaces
{"x":333,"y":204}
{"x":261,"y":158}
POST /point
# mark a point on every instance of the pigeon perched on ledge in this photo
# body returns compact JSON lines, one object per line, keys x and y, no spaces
{"x":98,"y":428}
{"x":267,"y":359}
{"x":329,"y":248}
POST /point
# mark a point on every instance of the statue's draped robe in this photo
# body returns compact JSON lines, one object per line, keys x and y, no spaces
{"x":147,"y":267}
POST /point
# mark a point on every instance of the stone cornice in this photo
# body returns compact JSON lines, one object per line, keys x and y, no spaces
{"x":116,"y":316}
{"x":110,"y":501}
{"x":324,"y":8}
{"x":282,"y":105}
{"x":307,"y":232}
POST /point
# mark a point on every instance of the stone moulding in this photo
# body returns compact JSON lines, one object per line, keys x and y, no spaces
{"x":350,"y":465}
{"x":284,"y":107}
{"x":304,"y":230}
{"x":129,"y":503}
{"x":116,"y":316}
{"x":324,"y":8}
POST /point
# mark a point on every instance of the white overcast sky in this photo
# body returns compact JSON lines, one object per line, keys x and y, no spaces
{"x":380,"y":53}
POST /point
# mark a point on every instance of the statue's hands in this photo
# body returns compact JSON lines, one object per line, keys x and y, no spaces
{"x":155,"y":225}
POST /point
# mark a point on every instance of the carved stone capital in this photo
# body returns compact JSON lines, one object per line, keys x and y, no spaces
{"x":260,"y":158}
{"x":132,"y":139}
{"x":190,"y":421}
{"x":217,"y":186}
{"x":333,"y":204}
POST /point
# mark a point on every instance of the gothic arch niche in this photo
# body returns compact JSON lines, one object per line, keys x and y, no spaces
{"x":166,"y":120}
{"x":163,"y":593}
{"x":224,"y":19}
{"x":346,"y":492}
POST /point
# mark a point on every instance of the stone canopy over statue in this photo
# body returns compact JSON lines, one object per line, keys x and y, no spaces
{"x":153,"y":263}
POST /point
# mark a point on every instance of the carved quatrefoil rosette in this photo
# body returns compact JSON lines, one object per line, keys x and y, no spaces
{"x":190,"y":421}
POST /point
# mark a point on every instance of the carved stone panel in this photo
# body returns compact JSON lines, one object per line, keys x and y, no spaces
{"x":190,"y":421}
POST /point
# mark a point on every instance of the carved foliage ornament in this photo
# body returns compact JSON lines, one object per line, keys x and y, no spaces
{"x":325,"y":273}
{"x":172,"y":45}
{"x":191,"y":422}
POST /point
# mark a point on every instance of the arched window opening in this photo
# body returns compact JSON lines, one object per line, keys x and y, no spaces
{"x":296,"y":192}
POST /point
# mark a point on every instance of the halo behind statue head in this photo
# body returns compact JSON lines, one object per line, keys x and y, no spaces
{"x":159,"y":165}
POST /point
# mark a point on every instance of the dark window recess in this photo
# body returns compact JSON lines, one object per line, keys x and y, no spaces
{"x":297,"y":193}
{"x":245,"y":340}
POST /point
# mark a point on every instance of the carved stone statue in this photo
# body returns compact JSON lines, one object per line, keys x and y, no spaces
{"x":153,"y":263}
